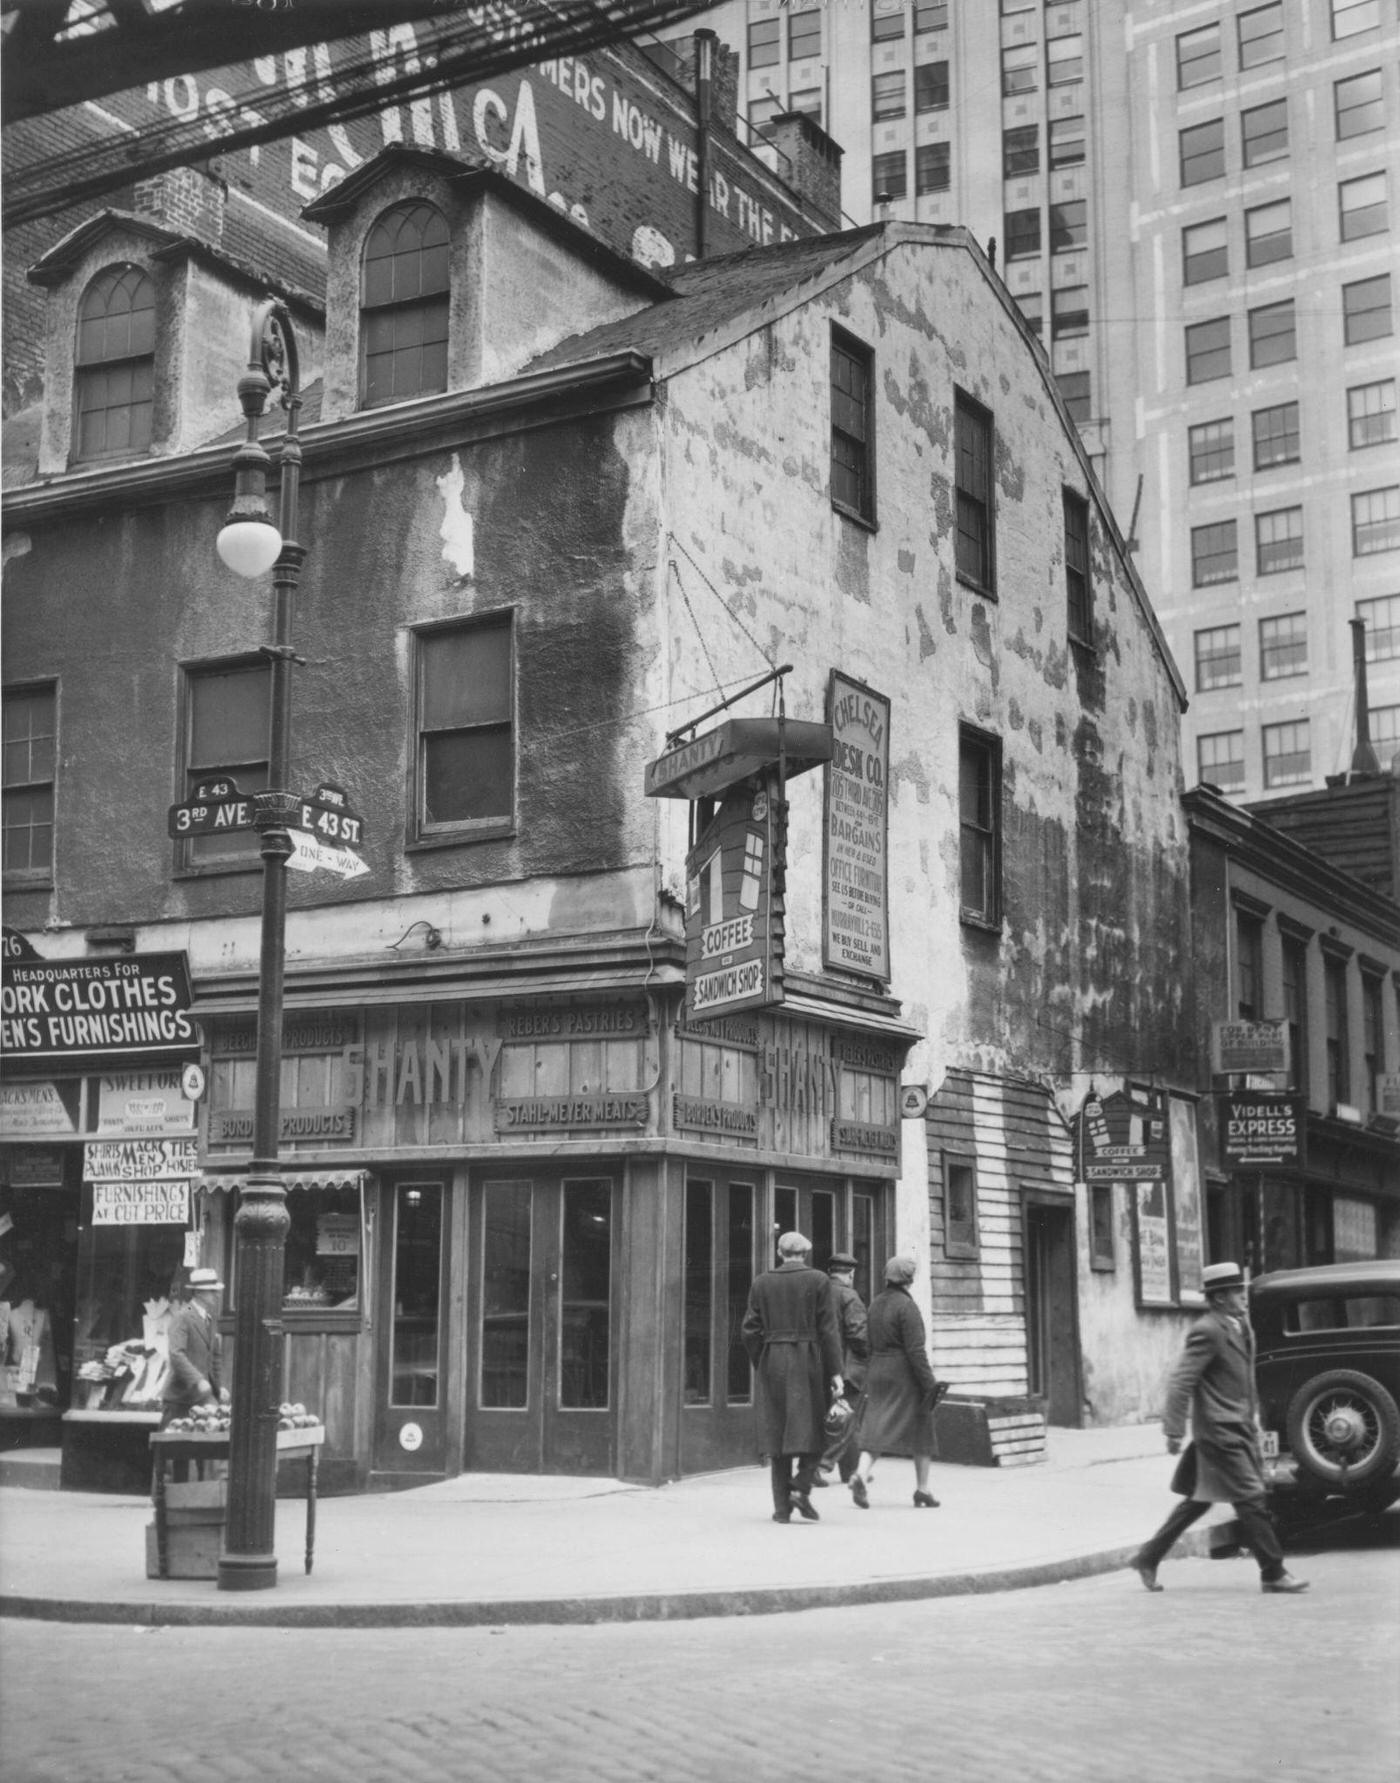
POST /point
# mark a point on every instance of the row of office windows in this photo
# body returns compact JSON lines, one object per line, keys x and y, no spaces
{"x":464,"y":759}
{"x":1359,"y":108}
{"x":1363,"y":209}
{"x":768,"y":43}
{"x":1275,"y":434}
{"x":1257,"y":1000}
{"x":404,"y":279}
{"x":889,"y":91}
{"x":1278,"y":538}
{"x":1200,"y":54}
{"x":933,"y":172}
{"x":1068,"y":229}
{"x":1272,"y":331}
{"x":1061,"y":61}
{"x":1283,"y":651}
{"x":1020,"y":147}
{"x":1286,"y":754}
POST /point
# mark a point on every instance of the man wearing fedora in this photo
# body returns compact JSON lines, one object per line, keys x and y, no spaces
{"x":840,"y":1451}
{"x":195,"y":1348}
{"x":1222,"y":1464}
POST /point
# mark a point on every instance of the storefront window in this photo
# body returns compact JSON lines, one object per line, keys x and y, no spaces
{"x":699,"y":1261}
{"x":740,"y":1278}
{"x":323,"y":1249}
{"x":37,"y":1229}
{"x":505,"y":1296}
{"x":585,"y":1335}
{"x":128,"y":1280}
{"x":417,"y":1275}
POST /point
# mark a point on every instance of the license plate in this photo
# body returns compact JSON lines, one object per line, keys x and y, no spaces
{"x":1268,"y":1443}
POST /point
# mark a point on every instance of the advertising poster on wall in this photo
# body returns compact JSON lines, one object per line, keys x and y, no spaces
{"x":856,"y":855}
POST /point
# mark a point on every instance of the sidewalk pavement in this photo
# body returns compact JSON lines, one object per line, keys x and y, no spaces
{"x":487,"y":1549}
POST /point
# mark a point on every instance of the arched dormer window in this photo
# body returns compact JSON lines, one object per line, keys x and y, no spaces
{"x":114,"y":373}
{"x":403,"y":306}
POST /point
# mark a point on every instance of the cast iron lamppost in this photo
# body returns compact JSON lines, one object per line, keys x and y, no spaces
{"x":251,"y":545}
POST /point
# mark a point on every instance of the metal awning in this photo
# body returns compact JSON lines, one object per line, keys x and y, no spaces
{"x":329,"y":1178}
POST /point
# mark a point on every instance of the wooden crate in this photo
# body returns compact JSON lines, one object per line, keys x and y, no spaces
{"x":192,"y":1549}
{"x":196,"y":1495}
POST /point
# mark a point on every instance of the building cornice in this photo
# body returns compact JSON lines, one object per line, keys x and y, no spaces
{"x":333,"y":447}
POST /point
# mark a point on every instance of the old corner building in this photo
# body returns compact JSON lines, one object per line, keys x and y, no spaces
{"x":549,"y":1084}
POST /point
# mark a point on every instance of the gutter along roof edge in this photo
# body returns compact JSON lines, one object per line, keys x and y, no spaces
{"x":323,"y":442}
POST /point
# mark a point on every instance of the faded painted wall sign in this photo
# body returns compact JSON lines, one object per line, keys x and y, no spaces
{"x":1240,"y":1046}
{"x":39,"y":1110}
{"x":856,"y":853}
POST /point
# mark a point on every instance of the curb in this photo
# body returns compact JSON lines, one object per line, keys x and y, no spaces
{"x":663,"y":1606}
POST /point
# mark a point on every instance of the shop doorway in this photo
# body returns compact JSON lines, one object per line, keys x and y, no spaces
{"x":410,"y":1396}
{"x":541,"y":1365}
{"x":1052,"y":1334}
{"x":834,"y":1218}
{"x":721,"y":1260}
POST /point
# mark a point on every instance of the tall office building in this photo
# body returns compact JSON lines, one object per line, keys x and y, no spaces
{"x":1194,"y":205}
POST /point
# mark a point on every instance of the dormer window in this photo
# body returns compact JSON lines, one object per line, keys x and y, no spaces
{"x":403,"y":323}
{"x":114,"y":374}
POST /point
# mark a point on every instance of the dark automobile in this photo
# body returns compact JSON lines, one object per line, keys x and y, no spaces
{"x":1328,"y":1361}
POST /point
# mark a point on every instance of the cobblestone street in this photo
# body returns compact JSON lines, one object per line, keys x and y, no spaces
{"x":1093,"y":1680}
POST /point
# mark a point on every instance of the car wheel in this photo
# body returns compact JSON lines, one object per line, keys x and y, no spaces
{"x":1344,"y":1429}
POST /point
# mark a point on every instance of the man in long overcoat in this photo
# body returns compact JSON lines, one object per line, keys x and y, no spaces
{"x":1222,"y":1464}
{"x":840,"y":1451}
{"x":794,"y":1342}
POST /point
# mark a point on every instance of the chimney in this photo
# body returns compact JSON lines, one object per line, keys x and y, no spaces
{"x":810,"y":162}
{"x":186,"y":199}
{"x":1364,"y":760}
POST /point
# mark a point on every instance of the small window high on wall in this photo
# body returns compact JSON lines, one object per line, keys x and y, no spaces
{"x":403,"y":305}
{"x":114,"y":375}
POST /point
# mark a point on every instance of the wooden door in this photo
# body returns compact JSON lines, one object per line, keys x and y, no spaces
{"x":409,"y":1366}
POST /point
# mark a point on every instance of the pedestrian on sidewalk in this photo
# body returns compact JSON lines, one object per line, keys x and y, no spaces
{"x":793,"y":1341}
{"x":195,"y":1349}
{"x":900,"y":1389}
{"x":840,"y":1451}
{"x":1222,"y":1464}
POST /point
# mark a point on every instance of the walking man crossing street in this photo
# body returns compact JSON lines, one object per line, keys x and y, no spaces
{"x":841,"y":1452}
{"x":1222,"y":1464}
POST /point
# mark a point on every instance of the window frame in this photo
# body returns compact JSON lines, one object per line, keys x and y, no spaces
{"x":1386,"y":527}
{"x":1261,"y":139}
{"x":1366,"y":14}
{"x":1219,"y":342}
{"x":1067,"y":233}
{"x":1267,"y":247}
{"x":1055,"y":157}
{"x":1382,"y":640}
{"x":1204,"y":454}
{"x":1283,"y":654}
{"x":1282,"y":549}
{"x":424,"y":832}
{"x":974,"y":451}
{"x":101,"y":375}
{"x":1251,"y":59}
{"x":1019,"y":241}
{"x":1020,"y":69}
{"x":882,"y":190}
{"x":434,"y":303}
{"x":1074,"y":62}
{"x":195,"y":856}
{"x":1204,"y":60}
{"x":1218,"y":665}
{"x":1374,"y":105}
{"x":846,"y":348}
{"x":928,"y":86}
{"x":1021,"y":161}
{"x":1268,"y":344}
{"x":1209,"y":771}
{"x":1201,"y":152}
{"x":1299,"y":776}
{"x":1262,"y":433}
{"x":1353,"y":315}
{"x":896,"y":104}
{"x":39,"y":787}
{"x":1360,"y":220}
{"x":1069,"y":312}
{"x":1199,"y":266}
{"x":1079,"y":587}
{"x":966,"y":1247}
{"x":932,"y":159}
{"x":1215,"y":533}
{"x":981,"y":749}
{"x":764,"y":35}
{"x":1383,"y":436}
{"x":797,"y":41}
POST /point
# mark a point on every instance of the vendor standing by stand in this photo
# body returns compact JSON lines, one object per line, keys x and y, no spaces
{"x":195,"y":1349}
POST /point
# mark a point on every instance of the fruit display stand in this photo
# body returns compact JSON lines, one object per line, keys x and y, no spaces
{"x":184,"y":1540}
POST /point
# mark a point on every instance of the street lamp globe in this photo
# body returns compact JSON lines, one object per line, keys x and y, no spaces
{"x":249,"y":547}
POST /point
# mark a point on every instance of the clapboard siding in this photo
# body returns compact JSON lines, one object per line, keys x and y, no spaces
{"x":1017,"y":1140}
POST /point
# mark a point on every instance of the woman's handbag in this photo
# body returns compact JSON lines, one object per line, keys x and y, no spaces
{"x":838,"y":1418}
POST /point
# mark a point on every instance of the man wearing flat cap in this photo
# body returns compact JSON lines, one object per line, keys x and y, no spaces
{"x":1222,"y":1464}
{"x":840,"y":1451}
{"x":794,"y":1342}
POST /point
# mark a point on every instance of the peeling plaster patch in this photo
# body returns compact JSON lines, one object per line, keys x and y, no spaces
{"x":927,"y":642}
{"x":457,"y":531}
{"x":728,"y":439}
{"x":733,"y":574}
{"x":19,"y":544}
{"x":945,"y":600}
{"x":982,"y":637}
{"x":1035,"y":730}
{"x":940,"y":492}
{"x":1011,"y":473}
{"x":906,"y":560}
{"x":1005,"y":385}
{"x":912,"y":400}
{"x":909,"y":770}
{"x":853,"y":563}
{"x":1149,"y":730}
{"x":1015,"y":717}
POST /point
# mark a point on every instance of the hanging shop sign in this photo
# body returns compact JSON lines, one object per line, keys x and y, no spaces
{"x":139,"y":1003}
{"x":855,"y":932}
{"x":141,"y":1203}
{"x":1261,"y":1127}
{"x":131,"y":1103}
{"x":1123,"y":1139}
{"x":136,"y":1160}
{"x":733,"y":905}
{"x":1245,"y":1046}
{"x":736,"y":750}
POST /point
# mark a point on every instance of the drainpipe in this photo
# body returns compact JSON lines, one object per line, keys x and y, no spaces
{"x":1364,"y":759}
{"x":704,"y":94}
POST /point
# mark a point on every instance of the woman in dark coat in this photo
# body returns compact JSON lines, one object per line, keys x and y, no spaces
{"x":900,"y":1391}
